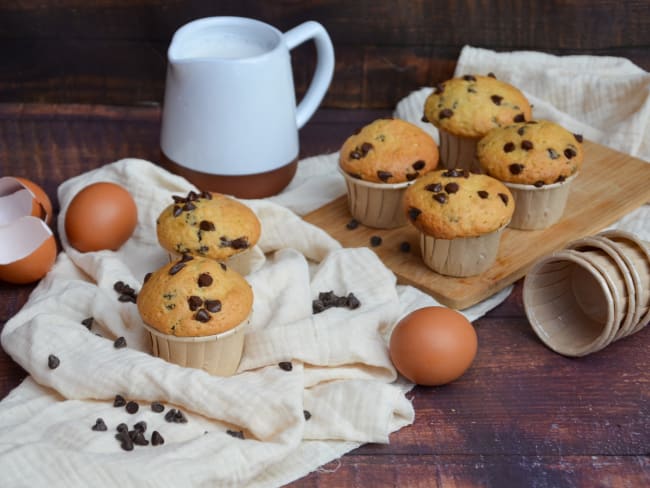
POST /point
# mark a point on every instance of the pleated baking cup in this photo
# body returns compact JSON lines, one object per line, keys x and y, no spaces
{"x":636,"y":254}
{"x":458,"y":152}
{"x":460,"y":257}
{"x":538,"y":208}
{"x":569,"y":304}
{"x":378,"y":205}
{"x":218,"y":354}
{"x":608,"y":261}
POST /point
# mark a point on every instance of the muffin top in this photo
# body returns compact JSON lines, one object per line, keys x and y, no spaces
{"x":207,"y":224}
{"x":452,"y":203}
{"x":194,"y":296}
{"x":388,"y":151}
{"x":472,"y":105}
{"x":532,"y":153}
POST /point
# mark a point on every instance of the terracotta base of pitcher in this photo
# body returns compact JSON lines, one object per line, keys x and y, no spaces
{"x":258,"y":185}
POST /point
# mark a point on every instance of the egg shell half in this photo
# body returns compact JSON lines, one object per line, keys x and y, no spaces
{"x":28,"y":251}
{"x":433,"y":345}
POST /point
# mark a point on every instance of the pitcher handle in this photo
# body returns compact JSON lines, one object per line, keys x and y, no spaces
{"x":324,"y":66}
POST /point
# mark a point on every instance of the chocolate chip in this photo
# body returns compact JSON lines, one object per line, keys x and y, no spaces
{"x":285,"y":365}
{"x":538,"y":184}
{"x":434,"y":187}
{"x":306,"y":414}
{"x":412,"y":176}
{"x":120,"y":287}
{"x":375,"y":241}
{"x":157,"y":407}
{"x":124,"y":297}
{"x":414,"y":213}
{"x":440,"y":87}
{"x":570,"y":153}
{"x":452,"y":187}
{"x":99,"y":426}
{"x":504,"y":198}
{"x":132,"y":407}
{"x":552,"y":153}
{"x":516,"y":168}
{"x":508,"y":147}
{"x":328,"y":298}
{"x":140,"y":426}
{"x":119,"y":343}
{"x":352,"y":301}
{"x":456,"y":173}
{"x":188,"y":206}
{"x":384,"y":175}
{"x":53,"y":362}
{"x":204,"y":280}
{"x":352,"y":224}
{"x":355,"y":154}
{"x":194,"y":302}
{"x":491,"y":75}
{"x":238,"y":434}
{"x":147,"y":276}
{"x":192,"y":196}
{"x":469,"y":78}
{"x":560,"y":179}
{"x":213,"y":306}
{"x":177,"y":211}
{"x":179,"y":199}
{"x":418,"y":165}
{"x":521,"y":131}
{"x":520,"y":118}
{"x":156,"y":439}
{"x":139,"y":440}
{"x":206,"y":194}
{"x":424,"y":119}
{"x":440,"y":198}
{"x":578,"y":137}
{"x":175,"y":416}
{"x":122,"y":427}
{"x":496,"y":99}
{"x":317,"y":306}
{"x":176,"y":268}
{"x":405,"y":246}
{"x":88,"y":322}
{"x":206,"y":225}
{"x":526,"y":145}
{"x":223,"y":266}
{"x":126,"y":442}
{"x":239,"y":243}
{"x":483,"y":194}
{"x":119,"y":401}
{"x":202,"y":316}
{"x":445,"y":113}
{"x":366,"y":147}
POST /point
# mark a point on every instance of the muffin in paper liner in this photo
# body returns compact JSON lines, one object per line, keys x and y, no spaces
{"x":458,"y":152}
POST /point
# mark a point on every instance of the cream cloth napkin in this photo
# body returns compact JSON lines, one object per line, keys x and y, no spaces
{"x":341,"y":372}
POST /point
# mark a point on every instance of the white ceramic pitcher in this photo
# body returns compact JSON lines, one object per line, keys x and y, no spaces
{"x":230,"y":122}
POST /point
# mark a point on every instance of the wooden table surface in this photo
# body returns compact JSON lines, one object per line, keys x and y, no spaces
{"x":522,"y":416}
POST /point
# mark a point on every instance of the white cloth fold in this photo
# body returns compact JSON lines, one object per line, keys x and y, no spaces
{"x":342,"y":390}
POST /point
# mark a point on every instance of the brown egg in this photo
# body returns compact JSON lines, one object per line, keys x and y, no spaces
{"x":101,"y":216}
{"x":28,"y":252}
{"x":42,"y":206}
{"x":433,"y":345}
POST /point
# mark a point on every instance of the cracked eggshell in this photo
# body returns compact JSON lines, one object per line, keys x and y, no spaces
{"x":28,"y":250}
{"x":20,"y":197}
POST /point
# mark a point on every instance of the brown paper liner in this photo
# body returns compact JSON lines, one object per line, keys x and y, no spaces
{"x":466,"y":256}
{"x":378,"y":205}
{"x":458,"y":152}
{"x":538,"y":208}
{"x":217,"y":354}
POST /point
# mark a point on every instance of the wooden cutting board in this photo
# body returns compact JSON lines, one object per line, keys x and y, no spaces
{"x":610,"y":185}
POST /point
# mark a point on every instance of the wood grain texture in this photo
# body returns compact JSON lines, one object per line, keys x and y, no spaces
{"x":114,"y":51}
{"x":521,"y":416}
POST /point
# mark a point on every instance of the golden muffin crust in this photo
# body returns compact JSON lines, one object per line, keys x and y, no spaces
{"x":471,"y":105}
{"x":207,"y":224}
{"x":452,"y":203}
{"x":533,"y":153}
{"x":194,"y":296}
{"x":388,"y":151}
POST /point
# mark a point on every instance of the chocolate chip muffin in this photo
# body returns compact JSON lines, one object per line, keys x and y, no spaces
{"x":537,"y":160}
{"x":464,"y":109}
{"x":207,"y":224}
{"x":388,"y":151}
{"x":193,"y":297}
{"x":460,"y":216}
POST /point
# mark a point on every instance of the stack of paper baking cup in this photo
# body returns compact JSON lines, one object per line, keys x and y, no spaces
{"x":593,"y":292}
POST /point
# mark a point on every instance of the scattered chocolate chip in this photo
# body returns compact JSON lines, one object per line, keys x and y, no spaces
{"x":188,"y":207}
{"x":119,"y":343}
{"x":317,"y":306}
{"x":138,"y":438}
{"x":53,"y":362}
{"x":157,"y":439}
{"x":516,"y":168}
{"x":414,"y":213}
{"x":552,"y":153}
{"x":307,"y":414}
{"x":434,"y":187}
{"x":177,"y":211}
{"x":440,"y":198}
{"x":445,"y":113}
{"x":178,"y":199}
{"x":194,"y":302}
{"x":424,"y":119}
{"x":366,"y":147}
{"x":119,"y":286}
{"x":452,"y":187}
{"x":175,"y":416}
{"x":213,"y":306}
{"x":132,"y":407}
{"x":140,"y":426}
{"x":520,"y":118}
{"x":239,"y":243}
{"x":456,"y":173}
{"x":157,"y":407}
{"x":526,"y":145}
{"x":469,"y":78}
{"x":285,"y":365}
{"x":127,"y":298}
{"x":239,"y":434}
{"x":99,"y":426}
{"x":119,"y":401}
{"x":496,"y":99}
{"x":570,"y":153}
{"x":328,"y":298}
{"x":176,"y":268}
{"x":352,"y":301}
{"x":204,"y":280}
{"x":122,"y":427}
{"x":384,"y":175}
{"x":352,"y":224}
{"x":202,"y":315}
{"x":504,"y":198}
{"x":508,"y":147}
{"x":206,"y":194}
{"x":147,"y":276}
{"x":88,"y":322}
{"x":482,"y":194}
{"x":412,"y":176}
{"x":418,"y":165}
{"x":405,"y":246}
{"x":192,"y":196}
{"x":126,"y":442}
{"x":578,"y":137}
{"x":521,"y":131}
{"x":206,"y":225}
{"x":375,"y":241}
{"x":538,"y":184}
{"x":491,"y":75}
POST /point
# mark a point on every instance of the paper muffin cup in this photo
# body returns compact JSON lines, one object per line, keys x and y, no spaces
{"x":462,"y":256}
{"x":377,"y":205}
{"x":458,"y":152}
{"x":218,"y":354}
{"x":538,"y":208}
{"x":569,"y":304}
